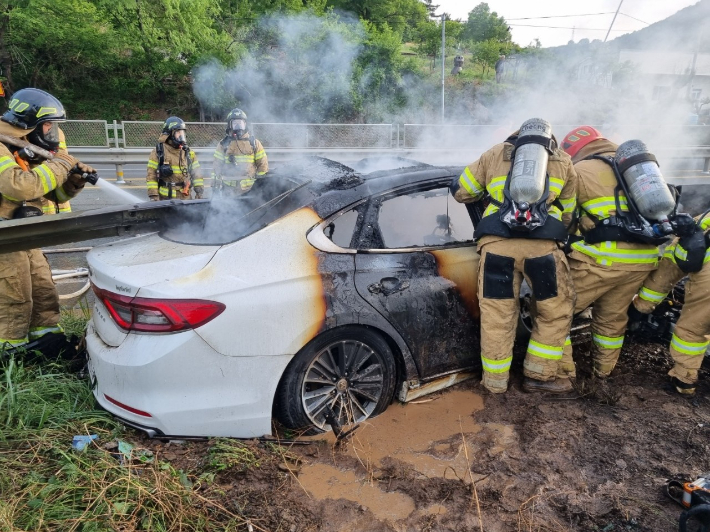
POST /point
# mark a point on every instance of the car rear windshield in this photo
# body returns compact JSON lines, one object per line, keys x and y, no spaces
{"x":229,"y":218}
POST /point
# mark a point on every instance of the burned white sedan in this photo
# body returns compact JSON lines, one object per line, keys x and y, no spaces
{"x":316,"y":298}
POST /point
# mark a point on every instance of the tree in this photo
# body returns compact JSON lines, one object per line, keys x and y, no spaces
{"x":483,"y":25}
{"x":431,"y":7}
{"x":400,"y":15}
{"x":486,"y":53}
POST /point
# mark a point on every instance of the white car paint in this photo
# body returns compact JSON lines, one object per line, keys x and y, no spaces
{"x":219,"y":379}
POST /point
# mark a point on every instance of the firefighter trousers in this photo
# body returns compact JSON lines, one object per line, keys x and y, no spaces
{"x":611,"y":291}
{"x":692,"y":332}
{"x":504,"y":265}
{"x":29,"y":303}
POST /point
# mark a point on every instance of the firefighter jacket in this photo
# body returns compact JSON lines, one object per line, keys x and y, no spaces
{"x":489,"y":173}
{"x":58,"y":200}
{"x":596,"y":201}
{"x":18,"y":186}
{"x":237,"y":162}
{"x":185,"y":167}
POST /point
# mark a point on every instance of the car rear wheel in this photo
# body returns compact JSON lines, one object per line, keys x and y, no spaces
{"x":348,"y":372}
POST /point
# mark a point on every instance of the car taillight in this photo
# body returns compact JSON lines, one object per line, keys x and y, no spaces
{"x":157,"y":315}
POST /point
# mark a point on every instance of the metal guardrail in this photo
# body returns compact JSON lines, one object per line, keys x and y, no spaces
{"x":130,"y":142}
{"x":144,"y":134}
{"x":123,"y":156}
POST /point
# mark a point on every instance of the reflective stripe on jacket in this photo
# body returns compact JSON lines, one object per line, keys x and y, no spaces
{"x":182,"y":171}
{"x":236,"y":159}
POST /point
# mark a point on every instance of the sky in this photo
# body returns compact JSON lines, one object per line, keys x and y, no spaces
{"x":585,"y":27}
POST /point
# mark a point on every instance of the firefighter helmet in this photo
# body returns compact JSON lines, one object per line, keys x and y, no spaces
{"x":236,"y":123}
{"x":174,"y":127}
{"x":578,"y":138}
{"x":30,"y":108}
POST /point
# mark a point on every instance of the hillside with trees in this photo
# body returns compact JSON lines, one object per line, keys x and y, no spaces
{"x":306,"y":60}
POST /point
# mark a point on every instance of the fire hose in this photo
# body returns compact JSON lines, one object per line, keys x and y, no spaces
{"x":70,"y":274}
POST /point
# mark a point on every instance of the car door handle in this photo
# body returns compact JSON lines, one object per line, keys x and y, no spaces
{"x":388,"y":285}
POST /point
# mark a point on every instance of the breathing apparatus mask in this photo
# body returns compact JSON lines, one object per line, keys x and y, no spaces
{"x":178,"y":139}
{"x":45,"y":135}
{"x":238,"y":127}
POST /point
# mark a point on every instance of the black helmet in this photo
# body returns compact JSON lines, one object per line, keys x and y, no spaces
{"x":236,"y":123}
{"x":29,"y":108}
{"x":171,"y":127}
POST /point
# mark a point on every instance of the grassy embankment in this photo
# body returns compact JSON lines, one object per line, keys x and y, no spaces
{"x":46,"y":485}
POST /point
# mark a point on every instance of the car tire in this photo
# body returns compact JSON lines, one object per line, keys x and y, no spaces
{"x":525,"y":315}
{"x":321,"y":376}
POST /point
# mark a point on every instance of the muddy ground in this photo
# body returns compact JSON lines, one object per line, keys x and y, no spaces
{"x":464,"y":459}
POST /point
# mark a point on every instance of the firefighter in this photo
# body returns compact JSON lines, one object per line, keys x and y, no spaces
{"x":608,"y":263}
{"x":531,"y":186}
{"x":685,"y":256}
{"x":173,"y":167}
{"x":239,"y":158}
{"x":29,"y":303}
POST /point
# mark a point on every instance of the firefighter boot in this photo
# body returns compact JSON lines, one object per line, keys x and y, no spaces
{"x":558,"y":386}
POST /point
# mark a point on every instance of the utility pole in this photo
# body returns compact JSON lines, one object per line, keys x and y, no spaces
{"x":443,"y":61}
{"x":613,"y":20}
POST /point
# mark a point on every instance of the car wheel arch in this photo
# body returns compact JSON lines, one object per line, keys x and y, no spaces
{"x":405,"y":369}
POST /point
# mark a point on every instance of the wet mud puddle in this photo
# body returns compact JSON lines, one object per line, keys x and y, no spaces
{"x":436,"y":437}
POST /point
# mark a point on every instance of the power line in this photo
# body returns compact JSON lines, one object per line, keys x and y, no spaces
{"x":581,"y":15}
{"x":563,"y":16}
{"x":566,"y":27}
{"x":647,"y":23}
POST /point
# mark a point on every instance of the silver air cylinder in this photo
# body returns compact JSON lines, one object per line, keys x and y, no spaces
{"x":645,"y":182}
{"x":527,"y":179}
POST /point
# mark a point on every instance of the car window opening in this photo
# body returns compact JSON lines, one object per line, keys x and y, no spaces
{"x":230,"y":219}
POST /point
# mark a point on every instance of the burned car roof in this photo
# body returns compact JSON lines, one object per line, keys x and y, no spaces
{"x":324,"y":185}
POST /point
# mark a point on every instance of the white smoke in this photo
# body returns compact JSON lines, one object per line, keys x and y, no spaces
{"x":303,"y":75}
{"x":306,"y":68}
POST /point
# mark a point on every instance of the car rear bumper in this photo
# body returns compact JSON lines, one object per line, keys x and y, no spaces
{"x":177,"y":384}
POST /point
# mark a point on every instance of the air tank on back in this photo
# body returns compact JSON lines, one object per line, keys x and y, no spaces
{"x":527,"y":178}
{"x":645,"y":182}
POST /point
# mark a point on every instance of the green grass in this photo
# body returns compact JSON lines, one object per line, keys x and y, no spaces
{"x":74,"y":320}
{"x":46,"y":485}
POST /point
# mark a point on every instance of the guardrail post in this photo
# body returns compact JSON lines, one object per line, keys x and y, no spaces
{"x":119,"y":167}
{"x":119,"y":175}
{"x":706,"y":166}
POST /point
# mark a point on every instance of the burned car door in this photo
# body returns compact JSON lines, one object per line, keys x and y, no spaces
{"x":417,"y":265}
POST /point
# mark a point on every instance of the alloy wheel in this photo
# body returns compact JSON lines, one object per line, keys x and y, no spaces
{"x":347,"y":377}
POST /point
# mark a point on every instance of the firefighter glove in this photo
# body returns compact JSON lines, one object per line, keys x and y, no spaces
{"x":85,"y":172}
{"x":154,"y":198}
{"x":66,"y":160}
{"x":77,"y":180}
{"x":683,"y":224}
{"x":86,"y":169}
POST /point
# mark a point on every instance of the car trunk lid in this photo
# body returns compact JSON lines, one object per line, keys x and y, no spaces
{"x":125,"y":267}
